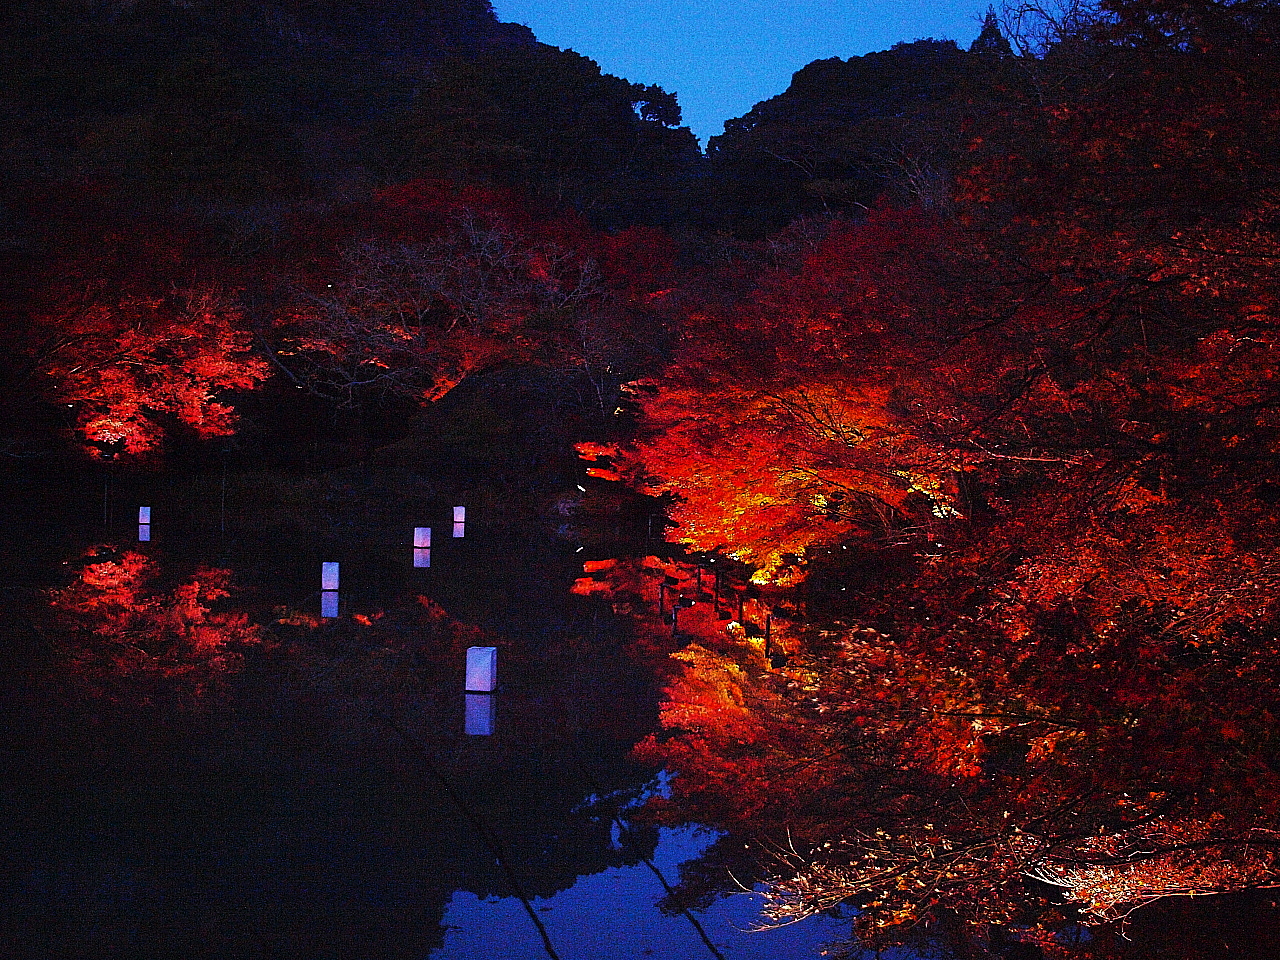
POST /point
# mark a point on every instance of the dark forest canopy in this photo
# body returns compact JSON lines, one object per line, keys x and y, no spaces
{"x":843,"y":133}
{"x":227,"y":99}
{"x":550,"y":122}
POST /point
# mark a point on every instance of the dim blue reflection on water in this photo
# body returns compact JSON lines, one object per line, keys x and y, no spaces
{"x":479,"y":714}
{"x":614,"y":915}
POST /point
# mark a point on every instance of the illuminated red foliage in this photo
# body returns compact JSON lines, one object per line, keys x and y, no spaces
{"x":807,"y":411}
{"x":440,"y":281}
{"x":1007,"y":477}
{"x":129,"y":366}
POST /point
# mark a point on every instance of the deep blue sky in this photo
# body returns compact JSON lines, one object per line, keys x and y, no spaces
{"x":721,"y":57}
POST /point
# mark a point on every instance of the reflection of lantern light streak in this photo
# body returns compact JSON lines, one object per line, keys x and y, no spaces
{"x":479,"y":710}
{"x":328,"y":589}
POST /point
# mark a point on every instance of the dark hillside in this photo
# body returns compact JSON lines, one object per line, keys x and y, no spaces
{"x":846,"y":132}
{"x":234,"y":99}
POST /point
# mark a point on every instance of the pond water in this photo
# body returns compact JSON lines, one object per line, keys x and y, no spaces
{"x":615,"y":914}
{"x":336,"y":795}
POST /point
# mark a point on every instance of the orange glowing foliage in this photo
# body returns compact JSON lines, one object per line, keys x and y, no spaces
{"x":807,"y":412}
{"x":740,"y":752}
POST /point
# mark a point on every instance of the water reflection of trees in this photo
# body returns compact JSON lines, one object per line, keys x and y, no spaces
{"x":281,"y":818}
{"x":928,"y":779}
{"x":120,"y":628}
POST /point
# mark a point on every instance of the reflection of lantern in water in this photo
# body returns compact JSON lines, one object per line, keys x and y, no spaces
{"x":459,"y":521}
{"x":482,"y":669}
{"x":144,"y":524}
{"x":479,"y":713}
{"x":422,"y":546}
{"x":328,"y":589}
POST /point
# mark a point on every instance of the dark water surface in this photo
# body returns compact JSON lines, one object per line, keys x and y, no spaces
{"x":326,"y":800}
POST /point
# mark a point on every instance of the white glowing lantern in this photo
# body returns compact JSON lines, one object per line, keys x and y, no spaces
{"x":328,"y":576}
{"x":328,"y":603}
{"x":479,"y":714}
{"x":482,"y":669}
{"x":422,"y":536}
{"x":459,"y":521}
{"x":144,"y":514}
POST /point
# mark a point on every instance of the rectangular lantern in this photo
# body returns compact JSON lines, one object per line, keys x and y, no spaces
{"x":479,"y":714}
{"x":422,"y":556}
{"x":482,"y":669}
{"x":144,"y":532}
{"x":328,"y":603}
{"x":459,"y":521}
{"x":144,"y":514}
{"x":422,"y":536}
{"x":328,"y":576}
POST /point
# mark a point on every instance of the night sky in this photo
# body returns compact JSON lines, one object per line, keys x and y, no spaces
{"x":721,"y":57}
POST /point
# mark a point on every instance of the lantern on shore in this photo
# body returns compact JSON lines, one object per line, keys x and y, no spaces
{"x":482,"y":669}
